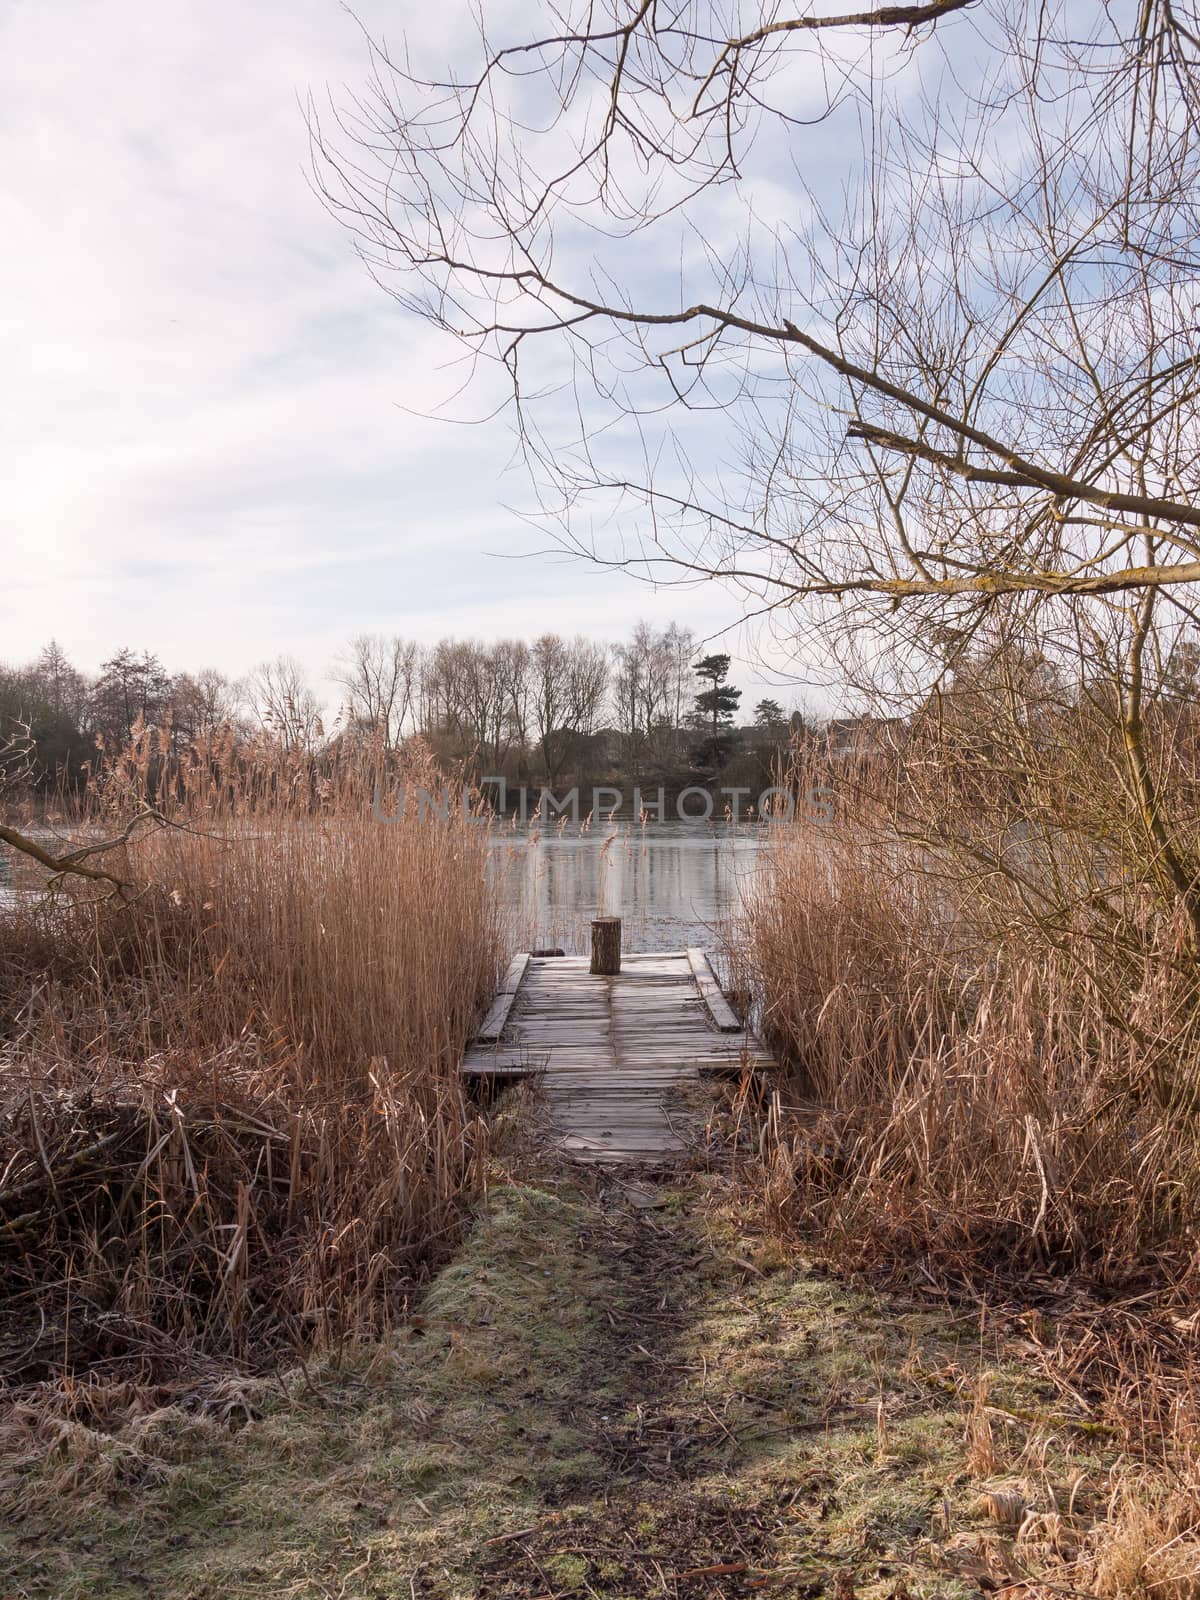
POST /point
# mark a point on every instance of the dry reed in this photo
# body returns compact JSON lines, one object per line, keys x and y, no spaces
{"x":231,"y":1122}
{"x":994,"y":1082}
{"x":972,"y":1091}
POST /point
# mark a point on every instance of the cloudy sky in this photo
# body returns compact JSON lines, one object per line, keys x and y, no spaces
{"x":207,"y":440}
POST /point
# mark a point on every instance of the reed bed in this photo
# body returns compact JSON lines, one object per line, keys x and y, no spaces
{"x":231,"y":1124}
{"x":993,"y":1094}
{"x":991,"y":1085}
{"x":989,"y":1108}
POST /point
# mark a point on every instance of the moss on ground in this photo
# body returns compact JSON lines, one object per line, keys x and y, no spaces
{"x":613,"y":1390}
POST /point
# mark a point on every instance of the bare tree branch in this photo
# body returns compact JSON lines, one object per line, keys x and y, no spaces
{"x":73,"y":863}
{"x":1025,"y":475}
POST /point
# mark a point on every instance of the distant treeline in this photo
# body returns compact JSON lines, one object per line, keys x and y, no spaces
{"x":550,"y":711}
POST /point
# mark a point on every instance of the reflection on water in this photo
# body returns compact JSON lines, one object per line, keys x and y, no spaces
{"x":671,"y":882}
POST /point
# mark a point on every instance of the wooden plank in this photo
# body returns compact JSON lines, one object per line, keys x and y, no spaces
{"x":507,"y":1058}
{"x":493,"y":1024}
{"x":719,"y":1009}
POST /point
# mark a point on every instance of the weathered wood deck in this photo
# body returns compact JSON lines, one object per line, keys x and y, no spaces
{"x":614,"y":1053}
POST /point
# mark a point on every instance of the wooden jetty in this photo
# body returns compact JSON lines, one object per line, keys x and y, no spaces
{"x":614,"y":1051}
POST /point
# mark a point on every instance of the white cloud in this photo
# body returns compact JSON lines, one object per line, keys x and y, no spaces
{"x":202,"y":445}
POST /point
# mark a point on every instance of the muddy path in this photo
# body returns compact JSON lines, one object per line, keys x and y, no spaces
{"x":643,"y":1516}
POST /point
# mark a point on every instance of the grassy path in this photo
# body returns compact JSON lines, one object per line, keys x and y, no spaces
{"x":614,"y":1389}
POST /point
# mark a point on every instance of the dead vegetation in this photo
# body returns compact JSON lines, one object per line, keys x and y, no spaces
{"x":231,"y":1125}
{"x":986,"y":985}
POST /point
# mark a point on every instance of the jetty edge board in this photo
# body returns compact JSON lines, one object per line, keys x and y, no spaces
{"x":493,"y":1024}
{"x":718,"y":1007}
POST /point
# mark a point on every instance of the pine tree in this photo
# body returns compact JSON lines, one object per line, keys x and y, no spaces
{"x":716,"y":705}
{"x":768,"y":714}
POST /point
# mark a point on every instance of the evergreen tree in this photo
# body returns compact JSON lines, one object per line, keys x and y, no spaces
{"x":768,"y":715}
{"x":716,"y":705}
{"x":715,"y":708}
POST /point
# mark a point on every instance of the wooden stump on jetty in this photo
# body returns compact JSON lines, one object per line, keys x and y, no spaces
{"x":606,"y":946}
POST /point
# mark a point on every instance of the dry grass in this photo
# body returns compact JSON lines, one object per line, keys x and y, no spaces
{"x":983,"y":1104}
{"x":996,"y":1096}
{"x":231,"y":1123}
{"x":598,"y":1399}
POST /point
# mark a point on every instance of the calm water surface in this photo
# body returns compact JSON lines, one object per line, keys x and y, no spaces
{"x":672,"y":883}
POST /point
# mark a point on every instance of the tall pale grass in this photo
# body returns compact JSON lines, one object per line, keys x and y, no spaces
{"x":972,"y":1102}
{"x":994,"y":1087}
{"x":232,"y":1121}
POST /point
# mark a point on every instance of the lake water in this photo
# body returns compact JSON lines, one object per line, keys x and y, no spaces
{"x":672,"y":883}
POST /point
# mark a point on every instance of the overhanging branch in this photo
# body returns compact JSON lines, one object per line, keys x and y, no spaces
{"x":73,"y":863}
{"x":1022,"y":476}
{"x":1001,"y":583}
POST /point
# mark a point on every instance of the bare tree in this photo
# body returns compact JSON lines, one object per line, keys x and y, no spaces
{"x":643,"y":687}
{"x":510,"y":663}
{"x":203,"y":704}
{"x":679,"y":645}
{"x":284,"y":703}
{"x":930,"y":305}
{"x":549,"y":699}
{"x":957,"y":405}
{"x":480,"y":702}
{"x":473,"y":695}
{"x":132,"y":691}
{"x":433,"y":689}
{"x":554,"y":698}
{"x":587,"y":685}
{"x":570,"y":681}
{"x":379,"y":675}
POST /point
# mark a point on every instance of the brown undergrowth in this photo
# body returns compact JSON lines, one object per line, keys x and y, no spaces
{"x":231,"y":1124}
{"x":994,"y":1069}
